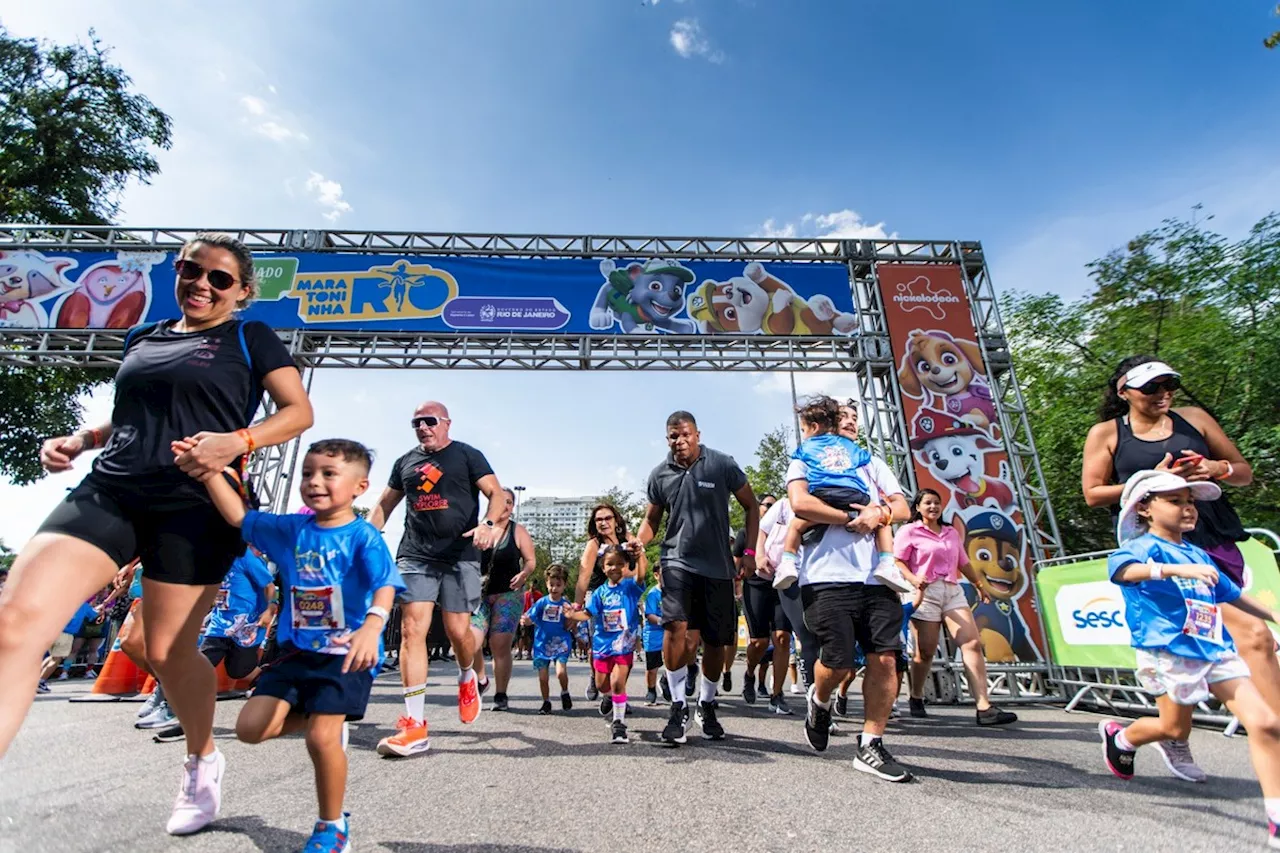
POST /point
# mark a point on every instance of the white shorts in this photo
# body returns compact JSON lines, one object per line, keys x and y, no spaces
{"x":1185,"y":680}
{"x":61,"y":647}
{"x":939,"y":598}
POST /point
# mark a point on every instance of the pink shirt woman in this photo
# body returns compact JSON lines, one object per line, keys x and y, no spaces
{"x":931,"y":556}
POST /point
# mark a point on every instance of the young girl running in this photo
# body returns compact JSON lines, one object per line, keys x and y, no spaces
{"x":1173,"y":598}
{"x":615,"y":607}
{"x":551,"y":638}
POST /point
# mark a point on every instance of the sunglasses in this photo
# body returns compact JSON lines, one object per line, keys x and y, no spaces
{"x":1156,"y":386}
{"x":189,"y":270}
{"x":427,"y":421}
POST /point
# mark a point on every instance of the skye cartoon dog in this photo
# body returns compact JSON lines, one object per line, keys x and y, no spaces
{"x":950,"y":369}
{"x":954,"y":451}
{"x":757,"y":303}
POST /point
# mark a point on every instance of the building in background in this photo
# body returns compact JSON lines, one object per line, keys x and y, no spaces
{"x":558,"y":524}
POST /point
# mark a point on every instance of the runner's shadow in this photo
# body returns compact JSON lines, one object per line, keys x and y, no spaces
{"x":734,"y":750}
{"x":420,"y":847}
{"x":268,"y":839}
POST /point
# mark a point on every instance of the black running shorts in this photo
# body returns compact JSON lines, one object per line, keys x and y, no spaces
{"x":842,"y":614}
{"x":762,"y":606}
{"x":704,"y":604}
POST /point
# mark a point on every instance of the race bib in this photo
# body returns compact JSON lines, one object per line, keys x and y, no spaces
{"x":222,"y":600}
{"x":614,"y":620}
{"x":551,"y":613}
{"x":1204,"y":621}
{"x":317,"y":608}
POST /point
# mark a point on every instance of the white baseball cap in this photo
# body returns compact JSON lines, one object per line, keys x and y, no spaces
{"x":1145,"y":372}
{"x":1142,"y":485}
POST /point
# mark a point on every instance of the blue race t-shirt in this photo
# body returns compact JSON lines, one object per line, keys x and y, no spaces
{"x":551,"y":637}
{"x":86,"y":613}
{"x":653,"y":633}
{"x":328,"y":576}
{"x":135,"y":586}
{"x":615,"y":610}
{"x":832,"y":461}
{"x":241,"y":599}
{"x":1175,"y":614}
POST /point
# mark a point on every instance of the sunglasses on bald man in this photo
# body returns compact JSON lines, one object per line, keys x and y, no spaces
{"x":426,"y":421}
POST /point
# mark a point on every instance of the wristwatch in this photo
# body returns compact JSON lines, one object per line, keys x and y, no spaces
{"x":488,"y":522}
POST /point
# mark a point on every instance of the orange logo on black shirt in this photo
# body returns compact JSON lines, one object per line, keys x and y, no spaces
{"x":430,"y":476}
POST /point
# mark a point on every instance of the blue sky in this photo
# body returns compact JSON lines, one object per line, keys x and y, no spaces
{"x":1051,"y":132}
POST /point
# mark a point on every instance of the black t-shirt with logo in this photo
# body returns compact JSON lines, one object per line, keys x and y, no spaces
{"x":442,"y":502}
{"x":175,"y":384}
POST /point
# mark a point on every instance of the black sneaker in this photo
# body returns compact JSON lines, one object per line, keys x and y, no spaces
{"x":651,"y":697}
{"x":779,"y":706}
{"x":500,"y":702}
{"x":691,"y":686}
{"x":546,"y":707}
{"x":726,"y":683}
{"x":1119,"y":761}
{"x":674,"y":733}
{"x":917,"y":708}
{"x":994,"y":716}
{"x":606,"y":706}
{"x":874,"y":758}
{"x":842,"y":705}
{"x":817,"y":724}
{"x":483,"y":686}
{"x":592,"y":693}
{"x":749,"y":689}
{"x":169,"y":735}
{"x":666,"y":689}
{"x":620,"y":732}
{"x":566,"y":701}
{"x":711,"y":728}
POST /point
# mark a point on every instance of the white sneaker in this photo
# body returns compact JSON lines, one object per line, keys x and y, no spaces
{"x":200,"y":797}
{"x":161,"y":718}
{"x":149,"y":707}
{"x":888,"y":573}
{"x":797,"y":690}
{"x":785,"y":575}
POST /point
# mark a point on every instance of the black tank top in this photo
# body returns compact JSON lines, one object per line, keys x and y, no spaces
{"x":1218,"y":522}
{"x":597,"y":571}
{"x":501,"y":563}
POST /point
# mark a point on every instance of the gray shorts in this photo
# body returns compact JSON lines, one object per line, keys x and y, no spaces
{"x":455,"y":590}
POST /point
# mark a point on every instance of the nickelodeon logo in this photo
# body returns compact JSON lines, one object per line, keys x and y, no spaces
{"x":921,"y":294}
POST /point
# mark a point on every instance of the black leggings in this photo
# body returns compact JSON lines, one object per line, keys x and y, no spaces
{"x":808,"y":642}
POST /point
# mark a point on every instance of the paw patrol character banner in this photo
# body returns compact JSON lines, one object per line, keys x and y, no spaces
{"x":97,"y":290}
{"x":956,"y":447}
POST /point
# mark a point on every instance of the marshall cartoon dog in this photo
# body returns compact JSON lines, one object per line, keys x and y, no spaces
{"x":954,"y":451}
{"x":936,"y":365}
{"x":642,"y":297}
{"x":756,"y":303}
{"x":993,"y":544}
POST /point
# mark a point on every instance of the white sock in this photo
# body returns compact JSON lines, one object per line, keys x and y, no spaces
{"x":619,"y":707}
{"x":708,"y":691}
{"x":866,"y":739}
{"x":414,"y":700}
{"x":789,"y":559}
{"x":676,"y":680}
{"x":465,"y":675}
{"x":823,"y":705}
{"x":885,"y":558}
{"x":1123,"y":742}
{"x":1273,"y":809}
{"x":340,"y":823}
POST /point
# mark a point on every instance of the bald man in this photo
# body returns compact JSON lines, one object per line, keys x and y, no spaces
{"x":439,"y":560}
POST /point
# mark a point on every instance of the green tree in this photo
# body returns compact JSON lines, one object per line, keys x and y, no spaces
{"x":1207,"y":305}
{"x":769,"y":473}
{"x":75,"y":133}
{"x":7,"y":556}
{"x":1274,"y":39}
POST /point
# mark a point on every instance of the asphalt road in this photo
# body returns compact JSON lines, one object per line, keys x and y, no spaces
{"x":80,"y":778}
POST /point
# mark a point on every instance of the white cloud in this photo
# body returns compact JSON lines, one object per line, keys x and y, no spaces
{"x":846,"y":223}
{"x":255,"y":106}
{"x":687,"y":39}
{"x":277,"y":132}
{"x":328,"y":194}
{"x":271,"y":89}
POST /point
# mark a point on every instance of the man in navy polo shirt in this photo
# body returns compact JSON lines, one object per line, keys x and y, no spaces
{"x":693,"y":487}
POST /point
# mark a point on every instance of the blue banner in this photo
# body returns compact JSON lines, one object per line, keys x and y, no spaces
{"x":116,"y":290}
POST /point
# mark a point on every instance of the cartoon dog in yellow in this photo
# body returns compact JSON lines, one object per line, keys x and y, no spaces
{"x":756,"y":303}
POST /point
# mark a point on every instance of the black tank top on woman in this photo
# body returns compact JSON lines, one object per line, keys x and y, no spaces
{"x":1218,"y":522}
{"x":501,"y":563}
{"x":597,"y":571}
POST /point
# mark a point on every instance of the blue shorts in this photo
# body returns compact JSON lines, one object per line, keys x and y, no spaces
{"x":545,"y":663}
{"x":314,"y":683}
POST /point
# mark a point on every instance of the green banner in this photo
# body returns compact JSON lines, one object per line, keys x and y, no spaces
{"x":1084,"y":611}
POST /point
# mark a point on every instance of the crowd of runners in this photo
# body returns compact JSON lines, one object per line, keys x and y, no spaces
{"x":836,"y":578}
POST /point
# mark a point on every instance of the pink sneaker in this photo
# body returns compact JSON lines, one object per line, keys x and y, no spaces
{"x":200,"y":797}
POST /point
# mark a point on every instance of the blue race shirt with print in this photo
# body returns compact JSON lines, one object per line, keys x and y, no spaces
{"x":86,"y":613}
{"x":832,"y":461}
{"x":616,"y":609}
{"x":551,"y":637}
{"x":328,"y":576}
{"x":1175,"y":614}
{"x":242,"y":598}
{"x":653,"y":633}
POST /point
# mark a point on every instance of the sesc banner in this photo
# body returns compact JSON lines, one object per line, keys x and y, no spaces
{"x":314,"y":290}
{"x":956,"y":448}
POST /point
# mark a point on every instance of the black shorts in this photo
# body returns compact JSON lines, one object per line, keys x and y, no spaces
{"x":652,"y":660}
{"x":704,"y":604}
{"x":190,"y":545}
{"x":314,"y":683}
{"x":842,"y":614}
{"x":237,"y":660}
{"x":763,"y":608}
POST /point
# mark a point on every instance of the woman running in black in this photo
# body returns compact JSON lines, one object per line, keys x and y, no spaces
{"x":505,"y":568}
{"x":198,"y":378}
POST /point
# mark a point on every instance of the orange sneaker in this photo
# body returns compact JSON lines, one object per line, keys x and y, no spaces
{"x":468,"y":701}
{"x":410,"y":739}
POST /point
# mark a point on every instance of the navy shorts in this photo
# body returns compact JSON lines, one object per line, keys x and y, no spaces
{"x":314,"y":683}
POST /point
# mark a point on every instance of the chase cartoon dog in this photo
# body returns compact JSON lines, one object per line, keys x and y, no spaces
{"x":937,"y":365}
{"x":642,"y":297}
{"x":757,"y":303}
{"x":955,"y":451}
{"x":993,"y":543}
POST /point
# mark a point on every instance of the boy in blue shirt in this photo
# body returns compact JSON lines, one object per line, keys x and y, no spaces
{"x":651,"y":612}
{"x":62,"y":647}
{"x":1173,"y":595}
{"x":615,"y":607}
{"x":551,"y":638}
{"x":337,"y":580}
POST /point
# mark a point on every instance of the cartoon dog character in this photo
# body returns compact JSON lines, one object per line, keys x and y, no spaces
{"x":951,"y":370}
{"x":109,"y":295}
{"x":643,"y":297}
{"x":24,"y":278}
{"x":993,"y":543}
{"x":757,"y":303}
{"x":954,"y":452}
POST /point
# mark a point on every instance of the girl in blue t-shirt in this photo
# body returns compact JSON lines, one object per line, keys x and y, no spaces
{"x":1173,"y":597}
